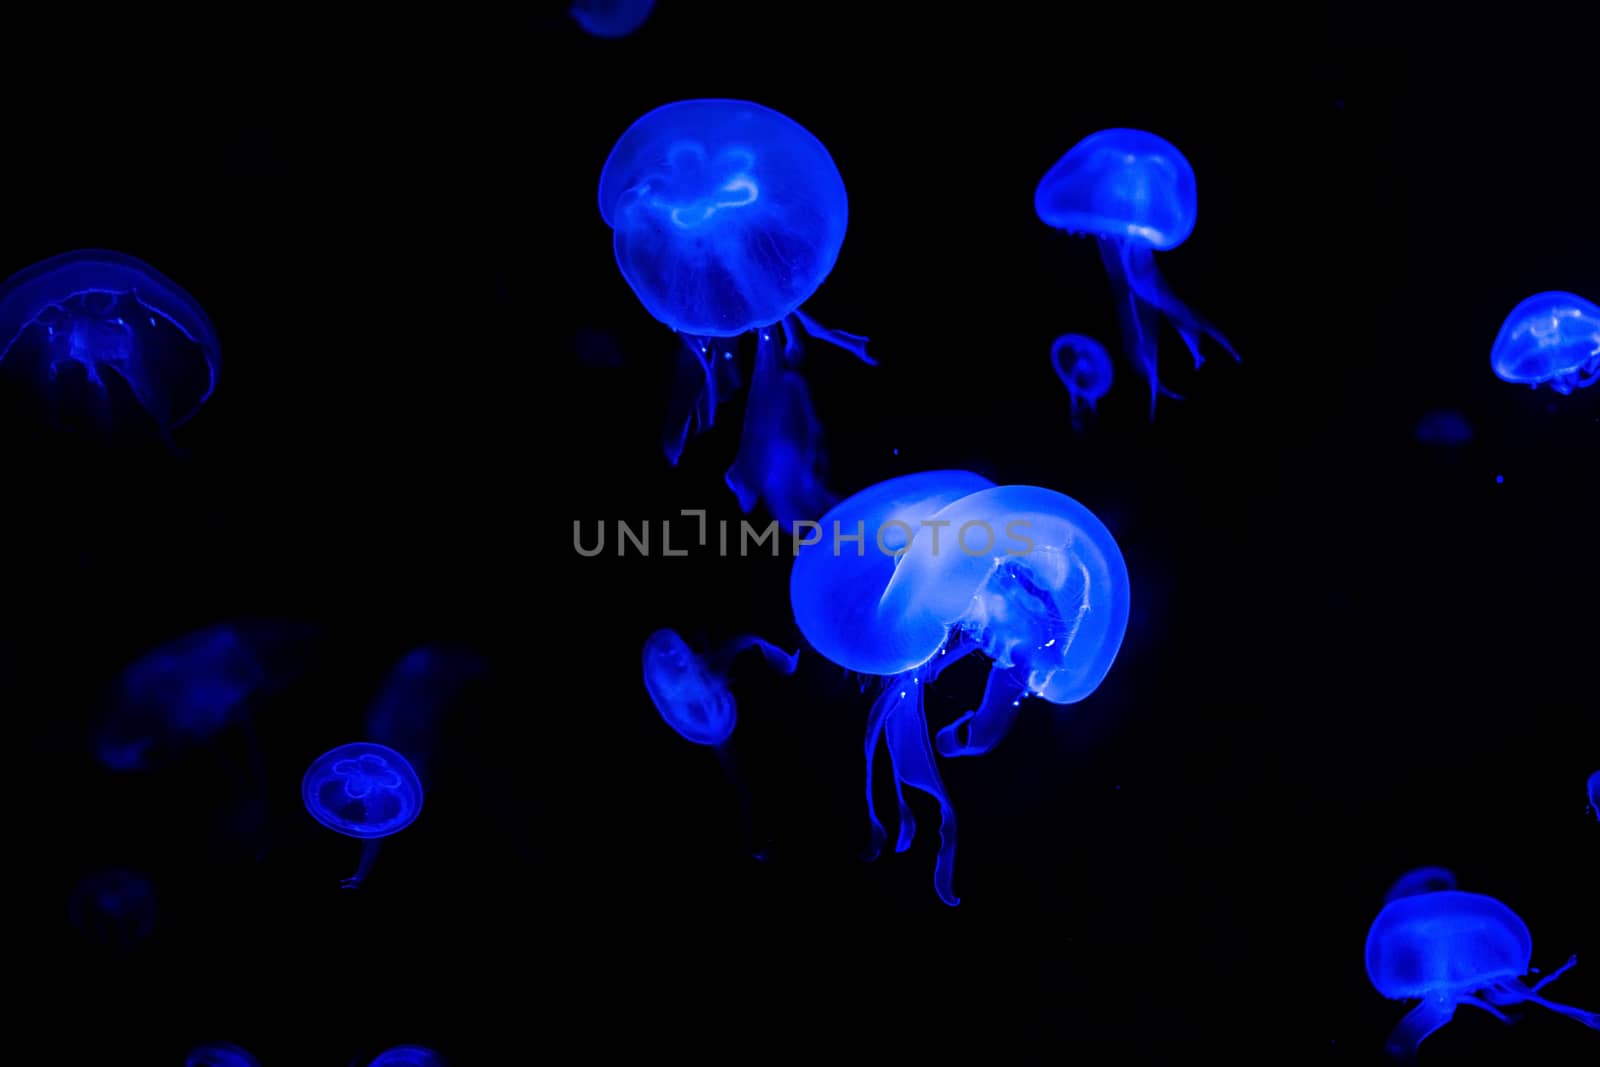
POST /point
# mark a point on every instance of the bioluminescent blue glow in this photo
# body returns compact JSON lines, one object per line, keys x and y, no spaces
{"x":726,"y":217}
{"x":114,"y":908}
{"x":1594,"y":793}
{"x":610,"y":18}
{"x":362,"y":790}
{"x":1444,"y":429}
{"x":1084,"y":367}
{"x":1549,"y":339}
{"x":407,"y":1056}
{"x":1450,"y":948}
{"x":948,"y":563}
{"x":1135,"y":193}
{"x":418,"y":693}
{"x":95,"y":332}
{"x":1421,"y":880}
{"x":219,"y":1054}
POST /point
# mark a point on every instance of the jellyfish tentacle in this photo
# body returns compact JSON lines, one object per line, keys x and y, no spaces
{"x":1136,"y":318}
{"x":853,"y":343}
{"x":980,"y":730}
{"x":1149,"y":285}
{"x":1557,"y":973}
{"x":779,"y":660}
{"x":691,"y":401}
{"x":1517,"y":993}
{"x":1473,"y":1002}
{"x":369,"y":856}
{"x":1418,"y":1023}
{"x":780,"y":455}
{"x":875,"y":733}
{"x":912,"y":756}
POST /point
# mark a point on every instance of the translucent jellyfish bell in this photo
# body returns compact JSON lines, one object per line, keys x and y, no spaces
{"x":1549,"y":339}
{"x":98,"y":333}
{"x":115,"y":908}
{"x":1135,"y":193}
{"x":407,"y":1056}
{"x":1084,"y":367}
{"x":362,"y":790}
{"x":610,"y":18}
{"x":1421,"y":880}
{"x":1450,"y":948}
{"x":726,"y":217}
{"x":219,"y":1054}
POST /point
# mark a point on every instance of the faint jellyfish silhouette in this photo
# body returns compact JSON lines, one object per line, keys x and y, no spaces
{"x":1450,"y":948}
{"x":1421,"y":880}
{"x":1135,"y":193}
{"x":407,"y":1056}
{"x":99,"y":334}
{"x":114,"y":908}
{"x":693,"y":696}
{"x":610,"y":18}
{"x":219,"y":1054}
{"x":1549,"y":339}
{"x":726,"y":217}
{"x":1594,"y":794}
{"x":417,"y":693}
{"x":1443,"y":428}
{"x":362,"y":790}
{"x":1084,"y":367}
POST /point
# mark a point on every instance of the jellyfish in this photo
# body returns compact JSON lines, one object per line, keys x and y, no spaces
{"x":1135,"y":194}
{"x":1594,"y":793}
{"x":219,"y":1054}
{"x":1549,"y":339}
{"x":610,"y":18}
{"x":1421,"y":880}
{"x":941,"y":564}
{"x":1450,"y":948}
{"x":115,"y":908}
{"x":1084,"y":368}
{"x":726,"y":217}
{"x":1444,"y":429}
{"x":363,"y":790}
{"x":100,"y":333}
{"x":407,"y":1056}
{"x":691,"y":693}
{"x":418,"y":692}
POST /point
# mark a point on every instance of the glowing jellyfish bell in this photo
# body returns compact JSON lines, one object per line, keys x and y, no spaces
{"x":1084,"y":367}
{"x":407,"y":1056}
{"x":1421,"y":880}
{"x":219,"y":1054}
{"x":1450,"y":948}
{"x":610,"y":18}
{"x":726,"y":217}
{"x":362,"y":790}
{"x":1549,"y":339}
{"x":98,"y":334}
{"x":1135,"y":194}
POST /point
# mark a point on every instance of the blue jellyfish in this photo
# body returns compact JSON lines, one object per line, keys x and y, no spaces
{"x":1135,"y":193}
{"x":1444,"y":429}
{"x":726,"y":217}
{"x":407,"y":1056}
{"x":1549,"y":339}
{"x":1450,"y":948}
{"x":114,"y":908}
{"x":219,"y":1054}
{"x":1421,"y":880}
{"x":939,"y":565}
{"x":1594,"y":793}
{"x":691,"y":693}
{"x":362,"y":790}
{"x":97,"y":333}
{"x":1084,"y":367}
{"x":418,"y":692}
{"x":610,"y":18}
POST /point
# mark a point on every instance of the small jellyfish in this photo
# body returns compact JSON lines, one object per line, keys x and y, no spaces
{"x":362,"y":790}
{"x":219,"y":1054}
{"x":114,"y":908}
{"x":1549,"y":339}
{"x":1135,"y":194}
{"x":1450,"y":948}
{"x":96,"y":333}
{"x":1444,"y":429}
{"x":1421,"y":880}
{"x":1084,"y":367}
{"x":610,"y":18}
{"x":407,"y":1056}
{"x":691,"y":692}
{"x":726,"y":217}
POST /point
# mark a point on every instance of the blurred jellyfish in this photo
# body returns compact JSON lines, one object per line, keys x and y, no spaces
{"x":1134,"y":193}
{"x":219,"y":1054}
{"x":1421,"y":880}
{"x":726,"y":217}
{"x":1594,"y":793}
{"x":1084,"y":367}
{"x":1444,"y":429}
{"x":99,"y":334}
{"x":947,"y":563}
{"x":416,"y":695}
{"x":610,"y":18}
{"x":407,"y":1056}
{"x":1450,"y":948}
{"x":691,"y":692}
{"x":1549,"y":339}
{"x":362,"y":790}
{"x":114,"y":908}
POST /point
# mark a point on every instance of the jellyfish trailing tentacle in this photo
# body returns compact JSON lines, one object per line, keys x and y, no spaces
{"x":979,"y":730}
{"x":1515,"y":992}
{"x":706,"y":372}
{"x":898,"y":718}
{"x":1145,"y":280}
{"x":781,"y":458}
{"x":853,"y":343}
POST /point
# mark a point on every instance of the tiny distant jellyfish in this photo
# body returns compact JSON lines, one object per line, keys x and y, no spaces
{"x":1421,"y":880}
{"x":610,"y":18}
{"x":1549,"y":339}
{"x":726,"y":217}
{"x":1451,"y":948}
{"x":692,"y":694}
{"x":362,"y":790}
{"x":1444,"y":429}
{"x":220,"y":1054}
{"x":114,"y":908}
{"x":407,"y":1056}
{"x":1084,"y":367}
{"x":97,"y":334}
{"x":1135,"y":194}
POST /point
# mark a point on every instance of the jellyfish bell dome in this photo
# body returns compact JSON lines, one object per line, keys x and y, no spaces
{"x":1448,"y":942}
{"x":1550,"y":338}
{"x":1121,"y":183}
{"x":694,"y":701}
{"x":727,"y":215}
{"x":610,"y":18}
{"x":362,"y":790}
{"x":407,"y":1056}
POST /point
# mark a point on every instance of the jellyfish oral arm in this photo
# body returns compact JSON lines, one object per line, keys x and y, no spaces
{"x":853,"y":343}
{"x":1420,"y":1021}
{"x":779,"y":660}
{"x":980,"y":730}
{"x":369,"y":856}
{"x":1516,"y":993}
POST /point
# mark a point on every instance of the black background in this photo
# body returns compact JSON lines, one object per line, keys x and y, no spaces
{"x":1349,"y":654}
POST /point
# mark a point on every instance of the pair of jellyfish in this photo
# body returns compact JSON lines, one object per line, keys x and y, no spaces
{"x":916,"y":572}
{"x":726,"y":217}
{"x":692,"y":693}
{"x":1135,"y":194}
{"x":1446,"y":949}
{"x":105,"y":340}
{"x":1551,"y":338}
